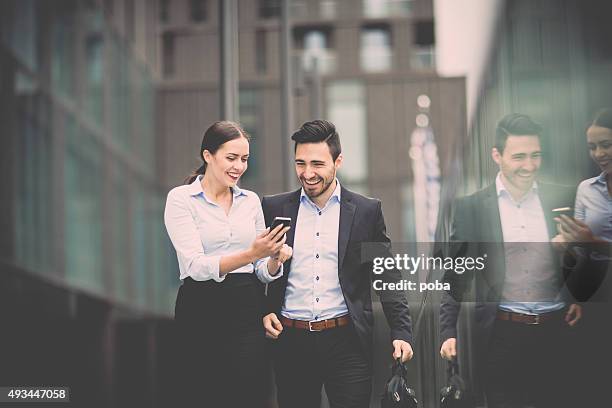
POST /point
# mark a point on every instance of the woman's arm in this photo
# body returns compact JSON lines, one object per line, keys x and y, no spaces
{"x":187,"y":242}
{"x":270,"y":268}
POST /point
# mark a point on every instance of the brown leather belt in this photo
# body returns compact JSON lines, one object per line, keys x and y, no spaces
{"x":528,"y":319}
{"x":318,"y":325}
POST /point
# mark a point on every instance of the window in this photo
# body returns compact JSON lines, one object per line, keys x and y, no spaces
{"x":424,"y":45}
{"x":164,"y":11}
{"x":261,"y":51}
{"x":198,"y":10}
{"x":248,"y":102}
{"x":315,"y":45}
{"x":94,"y":75}
{"x":83,"y":209}
{"x":130,"y":23}
{"x":376,"y":54}
{"x":327,"y":8}
{"x":346,"y":109}
{"x":63,"y":35}
{"x":168,"y":54}
{"x":299,"y":9}
{"x":269,"y":8}
{"x":386,"y":8}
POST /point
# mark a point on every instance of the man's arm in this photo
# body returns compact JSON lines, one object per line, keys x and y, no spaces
{"x":459,"y":283}
{"x":394,"y":303}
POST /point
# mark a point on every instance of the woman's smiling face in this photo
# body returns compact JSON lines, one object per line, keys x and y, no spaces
{"x":229,"y":162}
{"x":599,"y":140}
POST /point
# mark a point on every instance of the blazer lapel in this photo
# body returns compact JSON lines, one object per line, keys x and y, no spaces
{"x":347,"y":212}
{"x":290,"y":209}
{"x":493,"y":237}
{"x":547,"y":207}
{"x":492,"y":224}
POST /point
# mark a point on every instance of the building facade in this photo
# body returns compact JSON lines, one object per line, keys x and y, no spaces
{"x":84,"y":252}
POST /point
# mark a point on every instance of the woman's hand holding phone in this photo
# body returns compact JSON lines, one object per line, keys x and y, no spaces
{"x":573,"y":230}
{"x":269,"y":242}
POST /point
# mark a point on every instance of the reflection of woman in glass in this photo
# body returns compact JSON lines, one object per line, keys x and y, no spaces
{"x":591,"y":229}
{"x":224,"y":253}
{"x":593,"y":213}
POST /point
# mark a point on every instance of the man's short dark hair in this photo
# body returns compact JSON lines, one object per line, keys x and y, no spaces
{"x":317,"y":131}
{"x":515,"y":124}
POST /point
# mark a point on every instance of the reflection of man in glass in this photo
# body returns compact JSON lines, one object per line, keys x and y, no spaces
{"x":521,"y":317}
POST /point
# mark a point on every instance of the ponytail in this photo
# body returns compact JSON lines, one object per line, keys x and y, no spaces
{"x":194,"y":174}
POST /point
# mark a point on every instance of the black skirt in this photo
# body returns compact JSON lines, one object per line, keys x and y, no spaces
{"x":221,"y":340}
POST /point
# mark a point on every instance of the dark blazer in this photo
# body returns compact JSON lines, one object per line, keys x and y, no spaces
{"x":476,"y":230}
{"x":361,"y":221}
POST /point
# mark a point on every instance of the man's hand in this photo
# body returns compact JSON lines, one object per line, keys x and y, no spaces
{"x":272,"y":325}
{"x":402,"y":349}
{"x":448,"y":351}
{"x":559,"y":243}
{"x":279,"y":258}
{"x":573,"y":315}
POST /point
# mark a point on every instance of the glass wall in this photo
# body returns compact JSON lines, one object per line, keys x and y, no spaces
{"x":79,"y":112}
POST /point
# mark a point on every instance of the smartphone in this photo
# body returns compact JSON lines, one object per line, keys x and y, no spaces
{"x":569,"y":211}
{"x":286,"y":221}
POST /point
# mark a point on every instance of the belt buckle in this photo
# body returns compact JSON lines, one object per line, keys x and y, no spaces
{"x":536,"y":321}
{"x":310,"y":326}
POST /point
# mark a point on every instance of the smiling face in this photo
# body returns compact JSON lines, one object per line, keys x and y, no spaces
{"x":229,"y":162}
{"x":519,"y":163}
{"x":316,"y":170}
{"x":599,"y":140}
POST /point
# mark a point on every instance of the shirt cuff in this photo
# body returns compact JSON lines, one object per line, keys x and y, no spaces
{"x":209,"y":269}
{"x":264,"y":275}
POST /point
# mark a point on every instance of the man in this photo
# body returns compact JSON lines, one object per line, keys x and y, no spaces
{"x":521,"y":314}
{"x":320,"y":310}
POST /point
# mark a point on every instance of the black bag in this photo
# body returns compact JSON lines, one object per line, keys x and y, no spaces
{"x":455,"y":394}
{"x":397,"y":393}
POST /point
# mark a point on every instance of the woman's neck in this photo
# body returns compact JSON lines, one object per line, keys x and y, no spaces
{"x":212,"y":188}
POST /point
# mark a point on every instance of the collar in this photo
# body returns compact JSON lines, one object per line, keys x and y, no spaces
{"x":601,"y":179}
{"x":195,"y":188}
{"x":335,"y":194}
{"x":501,"y":188}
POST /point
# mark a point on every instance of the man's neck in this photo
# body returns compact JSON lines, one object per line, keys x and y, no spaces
{"x":516,"y":193}
{"x":322,"y":200}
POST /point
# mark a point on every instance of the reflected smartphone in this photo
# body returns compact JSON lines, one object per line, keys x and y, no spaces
{"x":569,"y":211}
{"x":286,"y":221}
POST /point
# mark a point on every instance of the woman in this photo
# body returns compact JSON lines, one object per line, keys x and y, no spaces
{"x":591,"y":230}
{"x":593,"y":212}
{"x":225,"y":253}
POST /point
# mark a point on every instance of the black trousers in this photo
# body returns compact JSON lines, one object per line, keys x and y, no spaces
{"x":304,"y":361}
{"x":221,"y":343}
{"x":530,"y":365}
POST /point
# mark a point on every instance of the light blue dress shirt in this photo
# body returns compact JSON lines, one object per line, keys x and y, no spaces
{"x":594,"y":206}
{"x":530,"y":268}
{"x":202,"y":232}
{"x":313,"y":286}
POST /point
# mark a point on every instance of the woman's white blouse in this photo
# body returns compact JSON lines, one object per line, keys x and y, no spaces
{"x":202,"y":232}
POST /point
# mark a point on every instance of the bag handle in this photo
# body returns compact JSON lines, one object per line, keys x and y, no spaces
{"x":452,"y":367}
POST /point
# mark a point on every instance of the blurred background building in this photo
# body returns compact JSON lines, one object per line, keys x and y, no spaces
{"x":86,"y":267}
{"x":103,"y":104}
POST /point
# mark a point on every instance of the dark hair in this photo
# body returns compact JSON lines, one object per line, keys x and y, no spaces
{"x":514,"y":124}
{"x":215,"y":136}
{"x":318,"y":131}
{"x":603,"y":118}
